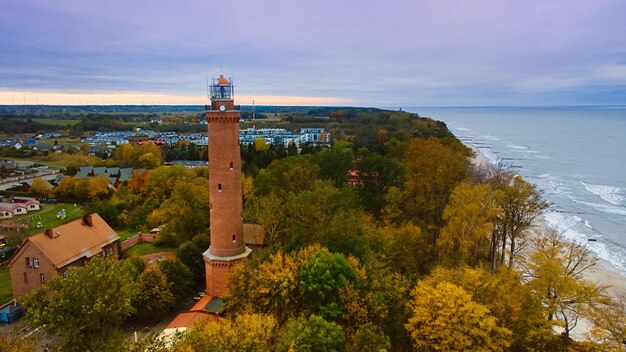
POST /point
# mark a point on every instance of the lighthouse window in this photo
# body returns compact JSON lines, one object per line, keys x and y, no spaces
{"x":219,"y":187}
{"x":234,"y":238}
{"x":231,"y":166}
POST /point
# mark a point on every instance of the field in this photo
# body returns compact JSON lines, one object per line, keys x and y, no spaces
{"x":6,"y":293}
{"x":48,"y":216}
{"x":59,"y":122}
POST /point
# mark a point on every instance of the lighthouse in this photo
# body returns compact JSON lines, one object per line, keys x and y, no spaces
{"x":225,"y":202}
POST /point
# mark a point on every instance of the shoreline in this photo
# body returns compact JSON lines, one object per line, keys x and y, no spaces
{"x":603,"y":273}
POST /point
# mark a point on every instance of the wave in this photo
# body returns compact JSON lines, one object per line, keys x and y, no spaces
{"x":515,"y":146}
{"x":568,"y":226}
{"x":608,"y":193}
{"x":490,"y":137}
{"x":609,"y":209}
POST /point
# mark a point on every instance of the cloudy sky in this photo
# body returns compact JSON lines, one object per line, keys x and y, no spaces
{"x":321,"y":52}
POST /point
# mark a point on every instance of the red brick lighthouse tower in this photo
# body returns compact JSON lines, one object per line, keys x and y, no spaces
{"x":225,"y":209}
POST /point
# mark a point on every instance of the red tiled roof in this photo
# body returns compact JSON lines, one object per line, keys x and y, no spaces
{"x":199,"y":306}
{"x":74,"y":240}
{"x":253,"y":234}
{"x":189,"y":319}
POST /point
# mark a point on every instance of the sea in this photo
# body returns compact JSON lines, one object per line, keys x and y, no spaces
{"x":575,"y":155}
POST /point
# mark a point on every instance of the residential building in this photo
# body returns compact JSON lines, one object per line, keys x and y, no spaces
{"x":49,"y":254}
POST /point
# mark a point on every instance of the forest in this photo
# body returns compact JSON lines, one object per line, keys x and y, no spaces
{"x":390,"y":240}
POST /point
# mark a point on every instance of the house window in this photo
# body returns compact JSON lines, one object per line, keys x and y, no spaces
{"x":28,"y":263}
{"x":65,"y":273}
{"x":231,"y":166}
{"x":36,"y":262}
{"x":25,"y":278}
{"x":219,"y":187}
{"x":111,"y":250}
{"x":42,"y":278}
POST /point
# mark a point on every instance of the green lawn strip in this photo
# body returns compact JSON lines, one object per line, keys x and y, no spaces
{"x":126,"y":233}
{"x":6,"y":293}
{"x":144,"y":248}
{"x":48,"y":216}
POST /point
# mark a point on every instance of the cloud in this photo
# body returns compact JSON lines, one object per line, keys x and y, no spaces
{"x":365,"y":52}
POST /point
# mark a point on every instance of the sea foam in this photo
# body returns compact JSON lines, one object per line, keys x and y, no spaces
{"x":608,"y":193}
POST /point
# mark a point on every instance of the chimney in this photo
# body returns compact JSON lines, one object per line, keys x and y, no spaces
{"x":49,"y":233}
{"x":87,"y":220}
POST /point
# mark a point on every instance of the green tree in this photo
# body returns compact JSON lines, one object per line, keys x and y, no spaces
{"x":184,"y":214}
{"x":321,"y":280}
{"x":313,"y":334}
{"x":292,"y":174}
{"x":445,"y":318}
{"x":376,"y":174}
{"x":368,"y":338}
{"x":335,"y":163}
{"x":154,"y":296}
{"x":190,"y":253}
{"x":86,"y":308}
{"x":179,"y":277}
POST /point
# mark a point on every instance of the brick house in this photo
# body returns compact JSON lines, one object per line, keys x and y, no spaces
{"x":50,"y":253}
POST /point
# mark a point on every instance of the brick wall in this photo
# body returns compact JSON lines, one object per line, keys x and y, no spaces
{"x":138,"y":238}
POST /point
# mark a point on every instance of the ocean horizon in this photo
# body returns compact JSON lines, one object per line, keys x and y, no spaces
{"x":576,"y":155}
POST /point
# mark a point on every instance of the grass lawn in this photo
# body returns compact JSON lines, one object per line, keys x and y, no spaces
{"x":144,"y":248}
{"x":6,"y":294}
{"x":126,"y":233}
{"x":48,"y":216}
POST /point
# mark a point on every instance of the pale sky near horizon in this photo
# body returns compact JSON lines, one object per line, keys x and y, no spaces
{"x":360,"y":53}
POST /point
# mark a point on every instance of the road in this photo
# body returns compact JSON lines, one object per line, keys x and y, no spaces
{"x":10,"y":181}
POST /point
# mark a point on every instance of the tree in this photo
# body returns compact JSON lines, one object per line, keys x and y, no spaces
{"x":433,"y":170}
{"x":179,"y":277}
{"x":376,"y":174}
{"x":445,"y":318}
{"x":368,"y":338}
{"x":269,"y":212}
{"x":321,"y":279}
{"x":313,"y":334}
{"x":553,"y":270}
{"x":86,"y":308}
{"x":40,"y":187}
{"x":185,"y":213}
{"x":292,"y":174}
{"x":509,"y":301}
{"x":154,"y":296}
{"x":274,"y":287}
{"x":98,"y":188}
{"x":247,"y":332}
{"x":520,"y":204}
{"x":190,"y":253}
{"x":408,"y":248}
{"x":610,"y":324}
{"x":470,"y":216}
{"x":335,"y":163}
